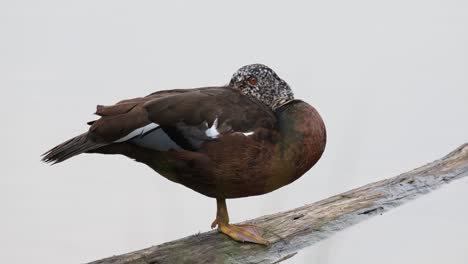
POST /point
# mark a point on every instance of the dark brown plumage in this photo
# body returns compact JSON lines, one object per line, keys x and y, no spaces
{"x":219,"y":141}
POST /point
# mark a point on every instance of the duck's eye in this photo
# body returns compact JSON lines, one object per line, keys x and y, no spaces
{"x":252,"y":80}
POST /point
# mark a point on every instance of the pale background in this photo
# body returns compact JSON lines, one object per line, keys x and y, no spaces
{"x":390,"y":79}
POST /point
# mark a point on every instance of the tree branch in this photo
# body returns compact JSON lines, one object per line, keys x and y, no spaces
{"x":293,"y":230}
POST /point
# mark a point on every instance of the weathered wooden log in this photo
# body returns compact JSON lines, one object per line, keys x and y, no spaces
{"x":298,"y":228}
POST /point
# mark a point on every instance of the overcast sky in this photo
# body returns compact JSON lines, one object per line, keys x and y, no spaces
{"x":390,"y":79}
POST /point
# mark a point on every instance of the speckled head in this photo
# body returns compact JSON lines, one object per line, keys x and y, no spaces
{"x":262,"y":83}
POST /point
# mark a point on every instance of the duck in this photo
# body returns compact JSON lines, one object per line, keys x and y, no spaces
{"x":247,"y":138}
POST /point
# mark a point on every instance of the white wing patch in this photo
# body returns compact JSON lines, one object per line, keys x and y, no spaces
{"x":138,"y":132}
{"x":213,"y":132}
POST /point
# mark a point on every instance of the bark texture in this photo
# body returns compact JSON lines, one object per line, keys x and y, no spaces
{"x":301,"y":227}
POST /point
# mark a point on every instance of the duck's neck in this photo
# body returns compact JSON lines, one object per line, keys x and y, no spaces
{"x":280,"y":101}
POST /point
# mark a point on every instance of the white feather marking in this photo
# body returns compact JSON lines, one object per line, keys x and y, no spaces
{"x":248,"y":133}
{"x":213,"y":132}
{"x":138,"y":132}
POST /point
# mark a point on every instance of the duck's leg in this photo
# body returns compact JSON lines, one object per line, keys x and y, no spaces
{"x":242,"y":233}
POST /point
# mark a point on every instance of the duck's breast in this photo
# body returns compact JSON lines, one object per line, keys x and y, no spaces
{"x":302,"y":139}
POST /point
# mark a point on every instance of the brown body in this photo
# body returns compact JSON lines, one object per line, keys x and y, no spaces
{"x":238,"y":166}
{"x":279,"y":147}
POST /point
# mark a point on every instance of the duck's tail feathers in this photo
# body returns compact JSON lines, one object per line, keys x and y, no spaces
{"x":70,"y":148}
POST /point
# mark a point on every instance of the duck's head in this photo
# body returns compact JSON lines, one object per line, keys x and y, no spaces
{"x":262,"y":83}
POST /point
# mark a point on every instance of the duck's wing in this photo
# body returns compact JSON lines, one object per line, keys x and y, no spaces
{"x":182,"y":119}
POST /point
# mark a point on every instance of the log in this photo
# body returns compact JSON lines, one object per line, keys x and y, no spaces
{"x":304,"y":226}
